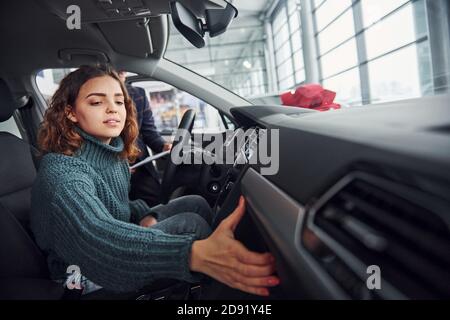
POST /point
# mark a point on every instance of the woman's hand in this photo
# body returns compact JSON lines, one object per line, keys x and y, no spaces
{"x":227,"y":260}
{"x":148,"y":221}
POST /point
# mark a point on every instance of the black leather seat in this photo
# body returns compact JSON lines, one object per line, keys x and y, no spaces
{"x":23,"y":267}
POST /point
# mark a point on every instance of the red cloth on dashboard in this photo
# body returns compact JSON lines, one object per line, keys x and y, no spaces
{"x":311,"y":96}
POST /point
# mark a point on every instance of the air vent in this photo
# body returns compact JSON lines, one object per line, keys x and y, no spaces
{"x":370,"y":221}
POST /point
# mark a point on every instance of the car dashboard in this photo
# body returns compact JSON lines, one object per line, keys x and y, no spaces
{"x":358,"y":192}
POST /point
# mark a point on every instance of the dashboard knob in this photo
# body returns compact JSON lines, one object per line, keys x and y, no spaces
{"x":214,"y":187}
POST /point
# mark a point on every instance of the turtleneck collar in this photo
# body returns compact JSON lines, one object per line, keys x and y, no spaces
{"x":96,"y":152}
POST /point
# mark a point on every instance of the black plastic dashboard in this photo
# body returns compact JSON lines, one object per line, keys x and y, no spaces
{"x":357,"y":187}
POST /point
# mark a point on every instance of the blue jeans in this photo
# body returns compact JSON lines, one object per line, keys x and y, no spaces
{"x":185,"y":215}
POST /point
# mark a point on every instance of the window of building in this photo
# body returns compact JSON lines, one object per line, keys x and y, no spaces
{"x":373,"y":50}
{"x":286,"y":30}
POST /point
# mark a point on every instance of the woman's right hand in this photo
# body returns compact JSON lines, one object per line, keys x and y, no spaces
{"x":227,"y":260}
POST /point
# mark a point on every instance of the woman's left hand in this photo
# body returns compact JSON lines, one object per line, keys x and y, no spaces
{"x":148,"y":221}
{"x":227,"y":260}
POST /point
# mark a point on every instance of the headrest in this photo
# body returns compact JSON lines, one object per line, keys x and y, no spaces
{"x":7,"y":105}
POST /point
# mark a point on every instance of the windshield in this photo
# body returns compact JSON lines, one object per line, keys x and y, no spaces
{"x":366,"y":51}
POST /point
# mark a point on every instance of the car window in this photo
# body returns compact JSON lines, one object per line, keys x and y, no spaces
{"x":169,"y":103}
{"x":10,"y":126}
{"x":48,"y":80}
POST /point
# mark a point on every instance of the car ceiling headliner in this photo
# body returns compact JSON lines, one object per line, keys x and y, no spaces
{"x":32,"y":37}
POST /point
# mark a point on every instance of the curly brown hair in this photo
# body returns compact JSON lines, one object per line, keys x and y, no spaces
{"x":57,"y":133}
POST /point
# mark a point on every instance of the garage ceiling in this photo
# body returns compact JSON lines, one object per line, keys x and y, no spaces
{"x":224,"y":56}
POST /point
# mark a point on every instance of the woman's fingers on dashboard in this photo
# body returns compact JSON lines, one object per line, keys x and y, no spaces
{"x":235,"y":217}
{"x":250,"y":257}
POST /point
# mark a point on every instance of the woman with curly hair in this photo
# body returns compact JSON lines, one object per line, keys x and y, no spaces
{"x":81,"y":214}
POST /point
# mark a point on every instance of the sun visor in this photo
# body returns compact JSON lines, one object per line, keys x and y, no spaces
{"x":139,"y":43}
{"x":193,"y":18}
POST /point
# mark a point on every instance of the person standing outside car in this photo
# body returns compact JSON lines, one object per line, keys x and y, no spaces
{"x":145,"y":182}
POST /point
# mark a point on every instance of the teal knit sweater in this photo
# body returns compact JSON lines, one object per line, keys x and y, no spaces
{"x":81,"y":215}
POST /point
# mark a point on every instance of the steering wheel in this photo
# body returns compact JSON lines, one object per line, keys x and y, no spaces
{"x":182,"y":137}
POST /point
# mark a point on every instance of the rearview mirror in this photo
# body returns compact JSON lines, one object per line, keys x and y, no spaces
{"x":188,"y":24}
{"x":218,"y":20}
{"x":192,"y":27}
